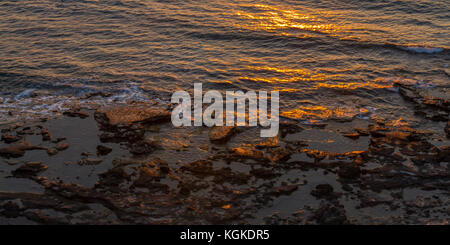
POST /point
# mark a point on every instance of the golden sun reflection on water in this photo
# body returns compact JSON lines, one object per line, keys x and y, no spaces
{"x":315,"y":114}
{"x":276,"y":19}
{"x":290,"y":75}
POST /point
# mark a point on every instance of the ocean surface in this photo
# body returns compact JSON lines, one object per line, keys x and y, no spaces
{"x":329,"y":59}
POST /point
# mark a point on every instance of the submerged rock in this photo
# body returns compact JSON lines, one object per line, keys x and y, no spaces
{"x":18,"y":149}
{"x":62,"y":146}
{"x":29,"y":169}
{"x":90,"y":161}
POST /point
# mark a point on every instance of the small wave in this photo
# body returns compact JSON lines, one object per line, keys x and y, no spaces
{"x":33,"y":104}
{"x":421,"y":50}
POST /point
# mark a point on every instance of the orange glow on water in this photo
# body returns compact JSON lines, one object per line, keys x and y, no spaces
{"x":271,"y":18}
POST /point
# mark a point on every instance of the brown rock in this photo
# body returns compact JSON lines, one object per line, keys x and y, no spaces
{"x":76,"y":113}
{"x":127,"y":115}
{"x":353,"y":136}
{"x":90,"y":161}
{"x":29,"y":169}
{"x":349,"y":172}
{"x":284,"y":190}
{"x":52,"y":151}
{"x":62,"y":146}
{"x":7,"y":138}
{"x":17,"y":149}
{"x":222,"y":133}
{"x":46,"y":136}
{"x":103,"y":150}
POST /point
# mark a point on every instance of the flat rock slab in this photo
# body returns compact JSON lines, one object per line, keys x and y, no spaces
{"x":127,"y":115}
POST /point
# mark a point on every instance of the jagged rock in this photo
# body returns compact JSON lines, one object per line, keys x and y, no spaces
{"x":29,"y":169}
{"x":222,"y":133}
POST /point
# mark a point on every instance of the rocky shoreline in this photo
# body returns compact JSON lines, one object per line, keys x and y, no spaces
{"x":126,"y":164}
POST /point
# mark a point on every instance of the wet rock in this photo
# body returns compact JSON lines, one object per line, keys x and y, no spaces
{"x":370,"y":199}
{"x":322,"y":191}
{"x":46,"y":136}
{"x":263,"y":173}
{"x":150,"y":172}
{"x":349,"y":172}
{"x":57,"y":140}
{"x":289,"y":128}
{"x":362,"y":132}
{"x":12,"y":208}
{"x":201,"y":167}
{"x":93,"y":94}
{"x":25,"y":130}
{"x":330,"y":215}
{"x":62,"y":146}
{"x":424,"y":202}
{"x":222,"y":133}
{"x":89,"y":161}
{"x":283,"y":190}
{"x":145,"y":146}
{"x":129,"y":114}
{"x":447,"y":129}
{"x":76,"y":113}
{"x":52,"y":151}
{"x":18,"y":149}
{"x":7,"y":138}
{"x":103,"y":150}
{"x":113,"y":178}
{"x":87,"y":154}
{"x":248,"y":151}
{"x":353,"y":136}
{"x":444,"y":153}
{"x":29,"y":169}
